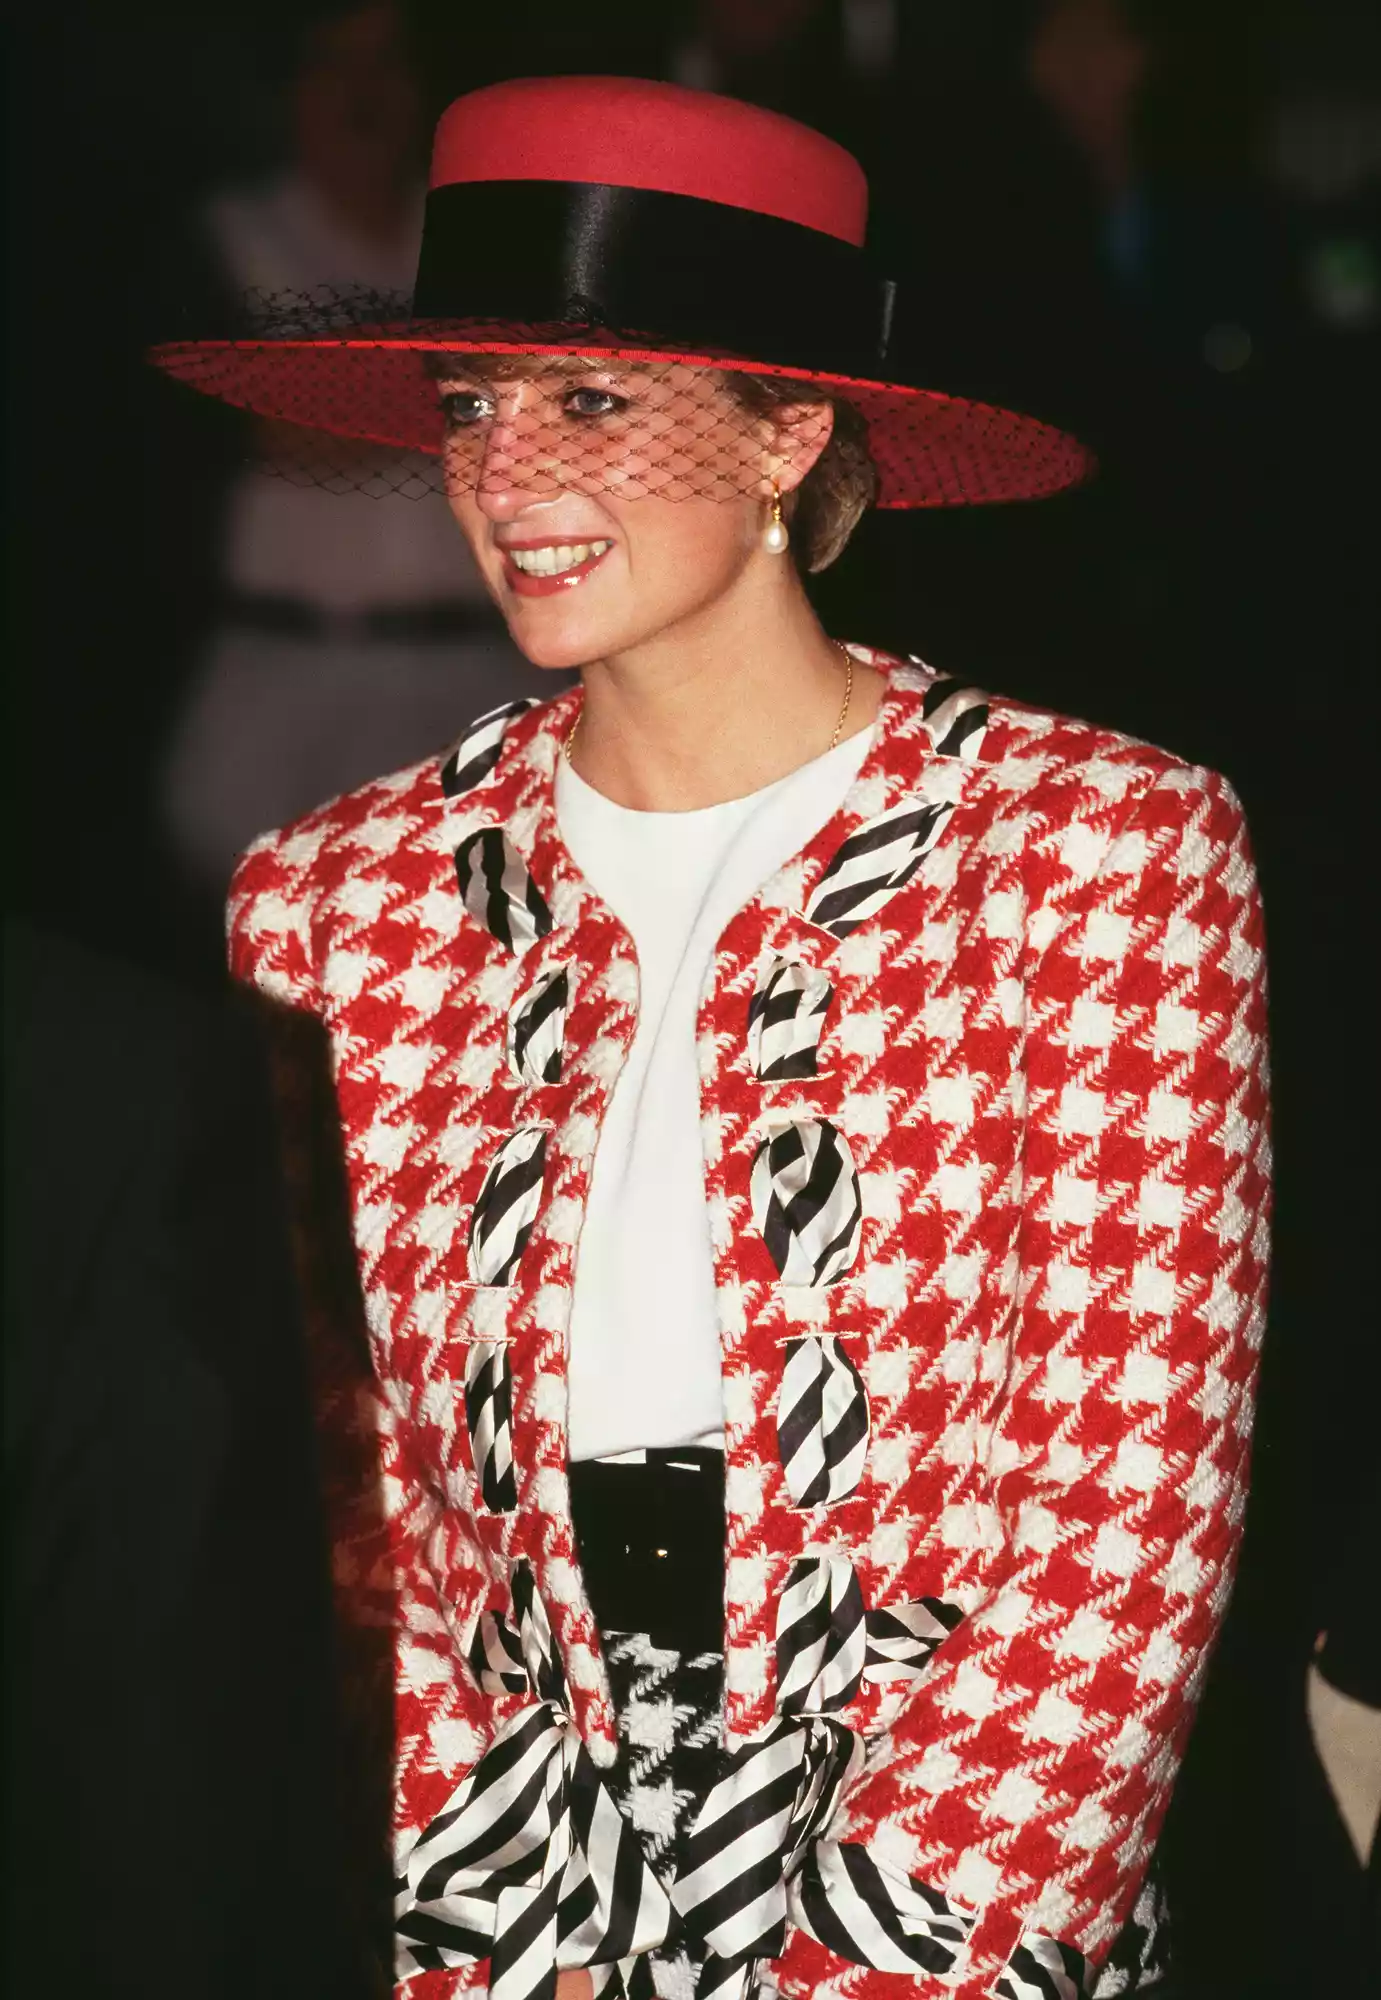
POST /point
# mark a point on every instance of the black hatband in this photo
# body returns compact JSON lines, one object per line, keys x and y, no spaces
{"x":700,"y":273}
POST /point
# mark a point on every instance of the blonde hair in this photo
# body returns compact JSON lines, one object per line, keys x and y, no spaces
{"x":842,"y":484}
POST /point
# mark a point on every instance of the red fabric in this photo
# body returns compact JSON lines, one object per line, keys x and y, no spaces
{"x":630,"y":133}
{"x":930,"y":450}
{"x":1047,"y":1056}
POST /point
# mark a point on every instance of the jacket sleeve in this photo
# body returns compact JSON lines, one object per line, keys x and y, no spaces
{"x":402,"y":1565}
{"x":1027,"y":1777}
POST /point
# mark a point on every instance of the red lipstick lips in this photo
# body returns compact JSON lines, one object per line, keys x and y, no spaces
{"x":543,"y":577}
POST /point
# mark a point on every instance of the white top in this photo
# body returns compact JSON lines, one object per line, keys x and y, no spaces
{"x":644,"y":1336}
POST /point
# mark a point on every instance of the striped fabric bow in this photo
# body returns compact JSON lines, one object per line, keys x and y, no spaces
{"x":531,"y":1864}
{"x":759,"y":1855}
{"x":778,"y":1792}
{"x":757,"y":1858}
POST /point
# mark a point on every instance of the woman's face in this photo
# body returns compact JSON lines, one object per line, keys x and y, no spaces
{"x":606,"y":503}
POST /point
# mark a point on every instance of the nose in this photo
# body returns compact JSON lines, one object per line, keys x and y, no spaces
{"x":518,"y":463}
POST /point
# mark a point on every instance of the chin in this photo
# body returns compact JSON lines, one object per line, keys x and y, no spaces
{"x":553,"y":645}
{"x":560,"y":637}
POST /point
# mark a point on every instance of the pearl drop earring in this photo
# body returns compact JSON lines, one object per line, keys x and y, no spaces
{"x":775,"y":536}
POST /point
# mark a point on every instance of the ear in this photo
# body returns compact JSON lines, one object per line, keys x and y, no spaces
{"x":797,"y":434}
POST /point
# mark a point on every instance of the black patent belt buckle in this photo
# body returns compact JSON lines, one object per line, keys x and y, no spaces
{"x":651,"y":1543}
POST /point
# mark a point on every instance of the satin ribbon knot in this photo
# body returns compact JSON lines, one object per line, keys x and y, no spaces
{"x":531,"y":1864}
{"x":778,"y":1793}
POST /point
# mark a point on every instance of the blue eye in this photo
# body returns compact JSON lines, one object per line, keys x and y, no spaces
{"x":464,"y":407}
{"x":594,"y":403}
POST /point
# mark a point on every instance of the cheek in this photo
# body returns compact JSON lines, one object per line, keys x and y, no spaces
{"x":690,"y":549}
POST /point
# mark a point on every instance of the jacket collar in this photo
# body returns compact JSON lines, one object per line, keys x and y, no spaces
{"x":928,"y":742}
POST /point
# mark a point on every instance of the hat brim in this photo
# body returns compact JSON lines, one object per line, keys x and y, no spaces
{"x":375,"y":385}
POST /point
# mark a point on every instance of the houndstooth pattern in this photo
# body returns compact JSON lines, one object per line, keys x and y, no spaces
{"x":1140,"y":1958}
{"x":670,"y":1708}
{"x":1045,"y":1055}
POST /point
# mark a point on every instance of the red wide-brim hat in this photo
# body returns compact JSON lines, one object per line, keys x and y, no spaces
{"x":617,"y":218}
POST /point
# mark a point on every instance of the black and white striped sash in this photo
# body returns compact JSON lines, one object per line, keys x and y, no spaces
{"x":822,"y":1421}
{"x":956,"y":716}
{"x":498,"y":891}
{"x":531,"y":1864}
{"x":537,"y":1028}
{"x":806,"y":1201}
{"x":822,"y":1635}
{"x":872,"y":1914}
{"x":496,"y":1656}
{"x":477,"y":752}
{"x":785,"y":1018}
{"x":758,"y":1857}
{"x":759,"y":1854}
{"x":778,"y":1793}
{"x":506,"y":1206}
{"x":883,"y":854}
{"x":902,"y":1639}
{"x":876,"y":860}
{"x":1041,"y":1968}
{"x":489,"y":1419}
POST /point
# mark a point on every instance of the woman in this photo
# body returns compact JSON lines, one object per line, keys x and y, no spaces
{"x":804,"y":1124}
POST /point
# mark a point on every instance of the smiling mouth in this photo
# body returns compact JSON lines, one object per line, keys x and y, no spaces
{"x":555,"y":558}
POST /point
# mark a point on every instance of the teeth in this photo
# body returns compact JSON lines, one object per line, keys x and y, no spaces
{"x":558,"y":556}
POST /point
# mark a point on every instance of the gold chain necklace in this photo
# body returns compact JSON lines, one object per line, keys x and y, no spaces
{"x":848,"y":660}
{"x":844,"y":655}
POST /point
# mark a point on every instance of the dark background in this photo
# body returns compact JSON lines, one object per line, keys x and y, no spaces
{"x":1185,"y":267}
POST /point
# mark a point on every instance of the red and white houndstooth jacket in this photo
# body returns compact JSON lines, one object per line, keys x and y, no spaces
{"x":983,"y":1103}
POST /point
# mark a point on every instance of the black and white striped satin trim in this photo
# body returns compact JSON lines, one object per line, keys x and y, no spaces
{"x":537,"y":1028}
{"x":785,"y":1019}
{"x":498,"y":891}
{"x":821,"y":1636}
{"x":543,"y":1662}
{"x":1041,"y":1968}
{"x":531,"y":1865}
{"x":876,"y":860}
{"x":806,"y":1202}
{"x":477,"y":752}
{"x":957,"y":716}
{"x":874,"y":1915}
{"x":902,"y":1638}
{"x":496,"y":1656}
{"x":489,"y":1417}
{"x":507,"y":1205}
{"x":778,"y":1792}
{"x":822,"y":1421}
{"x":758,"y":1856}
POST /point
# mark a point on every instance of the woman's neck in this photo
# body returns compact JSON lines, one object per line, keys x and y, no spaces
{"x":720,"y":706}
